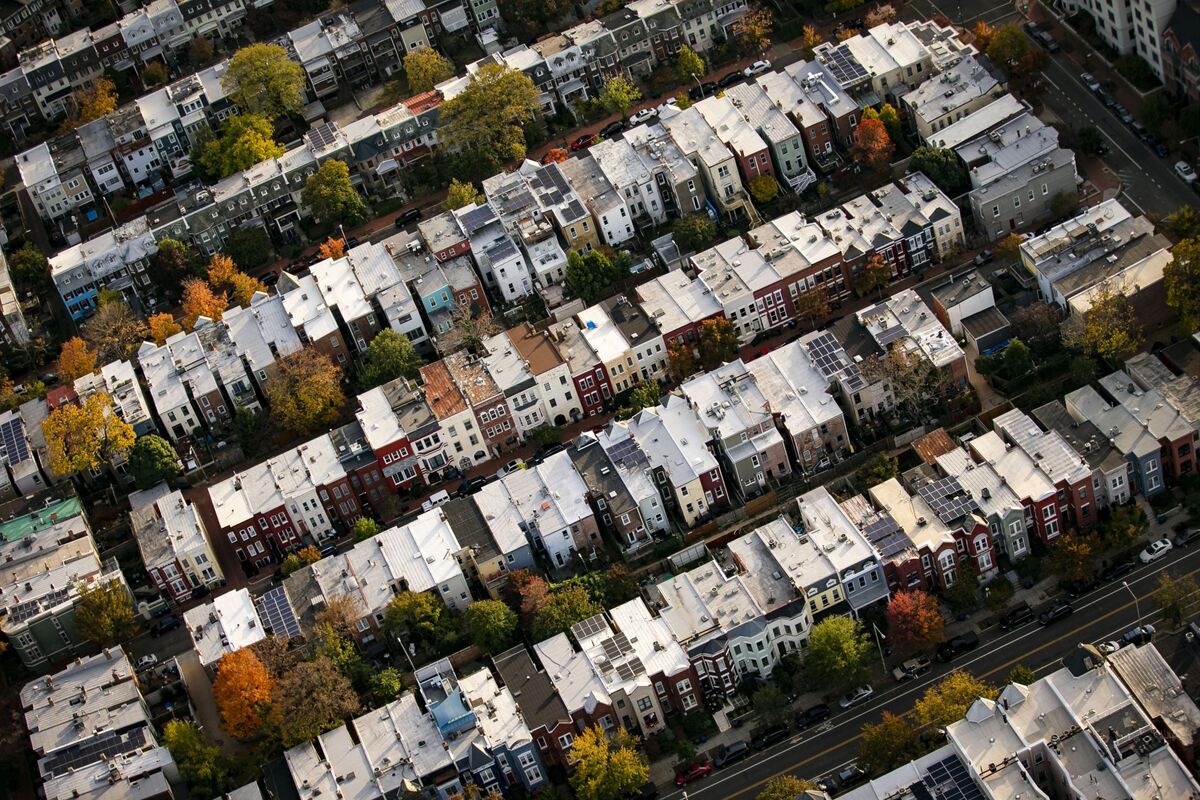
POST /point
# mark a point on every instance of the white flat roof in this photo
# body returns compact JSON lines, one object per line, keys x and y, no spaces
{"x":226,"y":623}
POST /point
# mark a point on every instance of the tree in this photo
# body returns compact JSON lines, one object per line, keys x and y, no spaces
{"x":75,"y":359}
{"x":949,"y":699}
{"x":422,"y":620}
{"x":770,"y":704}
{"x":872,"y":145}
{"x":591,"y":275}
{"x":607,"y":767}
{"x":311,"y":698}
{"x":1182,"y":280}
{"x":983,"y":35}
{"x":528,"y":19}
{"x":469,"y":326}
{"x":914,"y":379}
{"x":1037,"y":324}
{"x":764,"y":189}
{"x":305,"y":392}
{"x":245,"y":140}
{"x":809,"y":41}
{"x":879,"y":469}
{"x":199,"y":300}
{"x":530,"y":591}
{"x":876,"y":274}
{"x":198,"y":759}
{"x":1182,"y":223}
{"x":242,"y":690}
{"x":1083,"y":370}
{"x":718,"y":342}
{"x":93,"y":102}
{"x":490,"y":113}
{"x":390,"y":355}
{"x":262,"y":79}
{"x":492,"y":625}
{"x":880,"y":15}
{"x":426,"y":68}
{"x":1124,"y":527}
{"x":752,"y":33}
{"x":689,"y":65}
{"x":556,"y":155}
{"x":1110,"y":329}
{"x":890,"y":118}
{"x":387,"y":684}
{"x":461,"y":193}
{"x":786,"y":787}
{"x":200,"y":51}
{"x":364,"y":528}
{"x":1174,"y":596}
{"x":963,"y":595}
{"x":114,"y":332}
{"x":173,"y":262}
{"x":838,"y":653}
{"x":812,"y":304}
{"x":694,"y":232}
{"x":1007,"y":46}
{"x":562,"y":609}
{"x":1063,"y":204}
{"x":330,"y":196}
{"x":249,"y":247}
{"x":1018,"y":361}
{"x":30,"y":267}
{"x":152,"y":460}
{"x":104,"y":613}
{"x":914,"y":622}
{"x":942,"y":167}
{"x":82,"y":437}
{"x":887,"y":745}
{"x":1091,"y":141}
{"x":154,"y":74}
{"x":681,"y":361}
{"x":332,"y":248}
{"x":618,"y":94}
{"x":1009,"y":248}
{"x":621,"y":585}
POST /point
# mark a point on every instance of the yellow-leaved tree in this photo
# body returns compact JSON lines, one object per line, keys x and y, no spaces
{"x":607,"y":768}
{"x":305,"y":393}
{"x":242,"y":690}
{"x":950,"y":698}
{"x":85,"y":436}
{"x":75,"y":359}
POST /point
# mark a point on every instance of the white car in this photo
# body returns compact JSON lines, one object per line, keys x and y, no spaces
{"x":1108,"y":648}
{"x":757,"y":68}
{"x":645,"y":115}
{"x":855,"y":696}
{"x":1156,"y":550}
{"x":1185,"y":171}
{"x":146,"y":662}
{"x":1089,"y":80}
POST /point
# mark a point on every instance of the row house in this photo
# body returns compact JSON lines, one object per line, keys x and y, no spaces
{"x":630,"y":176}
{"x":484,"y":557}
{"x":920,"y":243}
{"x":1175,"y":434}
{"x":228,"y":363}
{"x":262,"y":333}
{"x":55,"y":176}
{"x":899,"y":556}
{"x":1059,"y":461}
{"x":632,"y":469}
{"x":1178,"y":51}
{"x":807,"y":256}
{"x":855,"y":563}
{"x":173,"y":542}
{"x":540,"y":707}
{"x":581,"y":690}
{"x":717,"y":166}
{"x":679,"y":187}
{"x":949,"y":96}
{"x":511,"y":194}
{"x":1028,"y":482}
{"x":885,"y":61}
{"x":865,"y":400}
{"x":955,"y":506}
{"x":994,"y":501}
{"x":399,"y":746}
{"x":311,"y":317}
{"x":501,"y":263}
{"x":388,"y":294}
{"x":937,"y":558}
{"x":679,"y":306}
{"x":612,"y":349}
{"x":1140,"y":450}
{"x":21,"y":470}
{"x":611,"y":213}
{"x":381,"y":414}
{"x":1180,"y":391}
{"x":362,"y":468}
{"x":778,"y":131}
{"x":465,"y":443}
{"x":227,"y":623}
{"x":827,"y":115}
{"x":119,"y":381}
{"x":587,"y":371}
{"x":486,"y":401}
{"x":741,"y":427}
{"x":739,"y":136}
{"x":674,"y":443}
{"x":904,"y":321}
{"x":1111,"y":484}
{"x":512,"y":374}
{"x":757,"y":288}
{"x":554,"y":377}
{"x":612,"y":501}
{"x":960,"y":298}
{"x":343,"y":295}
{"x":182,"y":386}
{"x":942,"y":213}
{"x":793,"y":583}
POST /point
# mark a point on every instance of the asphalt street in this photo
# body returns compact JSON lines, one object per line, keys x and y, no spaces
{"x":1099,"y":616}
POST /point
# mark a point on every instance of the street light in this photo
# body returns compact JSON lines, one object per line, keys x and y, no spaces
{"x":1136,"y":606}
{"x":879,"y":643}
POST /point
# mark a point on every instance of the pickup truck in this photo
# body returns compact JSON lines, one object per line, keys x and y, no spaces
{"x":912,"y":668}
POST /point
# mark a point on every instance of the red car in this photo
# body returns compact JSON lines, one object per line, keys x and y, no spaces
{"x":693,"y":773}
{"x":583,"y":141}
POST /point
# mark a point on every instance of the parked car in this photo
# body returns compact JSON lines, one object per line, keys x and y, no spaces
{"x":729,"y":79}
{"x":912,"y":668}
{"x":1089,"y":80}
{"x":408,"y":217}
{"x":765,"y":737}
{"x":164,"y":625}
{"x":1047,"y":41}
{"x":983,"y":257}
{"x":645,"y":115}
{"x":731,"y":754}
{"x":471,"y":486}
{"x":647,"y":791}
{"x":1060,"y":610}
{"x":955,"y":647}
{"x":1117,"y":570}
{"x":439,"y":498}
{"x":270,"y":278}
{"x":1140,"y":131}
{"x":1139,"y":634}
{"x":1123,"y":114}
{"x":1108,"y":648}
{"x":1106,"y":98}
{"x":511,"y":466}
{"x":329,"y":549}
{"x":1017,"y":616}
{"x":694,"y":772}
{"x":551,"y":449}
{"x":1187,"y":537}
{"x":146,"y":662}
{"x":583,"y":141}
{"x":811,"y":716}
{"x":352,"y":242}
{"x":855,"y":696}
{"x":1158,"y":147}
{"x":1185,"y":171}
{"x":612,"y":129}
{"x":1155,"y":550}
{"x":757,"y":68}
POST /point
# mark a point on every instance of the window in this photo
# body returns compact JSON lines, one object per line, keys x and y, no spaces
{"x":645,"y":704}
{"x":566,"y":740}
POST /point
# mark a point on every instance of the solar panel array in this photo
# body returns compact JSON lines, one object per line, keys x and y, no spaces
{"x":477,"y":218}
{"x":617,"y":646}
{"x":844,"y":67}
{"x":323,"y":136}
{"x":574,"y":210}
{"x":948,"y":499}
{"x":32,"y":608}
{"x":630,"y":669}
{"x":589,"y":627}
{"x":276,"y":613}
{"x":949,"y":780}
{"x":831,"y":359}
{"x":890,"y":334}
{"x":627,"y":454}
{"x":887,"y":536}
{"x":13,"y":446}
{"x":98,"y":748}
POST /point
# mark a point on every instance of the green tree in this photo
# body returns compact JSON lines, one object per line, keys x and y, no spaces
{"x":1008,"y":45}
{"x":492,"y":625}
{"x":942,"y":167}
{"x":1182,"y":223}
{"x":786,"y":787}
{"x":173,"y":262}
{"x":1072,"y":557}
{"x":105,"y":613}
{"x":1021,"y":674}
{"x":249,"y":247}
{"x":1009,"y":248}
{"x":1083,"y":370}
{"x":426,"y":68}
{"x":592,"y":275}
{"x":245,"y":140}
{"x":718,"y":342}
{"x":694,"y":232}
{"x":30,"y":267}
{"x":422,"y":619}
{"x":963,"y":594}
{"x":545,"y":435}
{"x":1090,"y":140}
{"x":1125,"y":526}
{"x":152,"y":460}
{"x":489,"y":115}
{"x":330,"y":196}
{"x":1110,"y":329}
{"x":387,"y":684}
{"x":948,"y":700}
{"x":199,"y":760}
{"x":1174,"y":596}
{"x":1018,"y":361}
{"x":839,"y":651}
{"x":309,"y":699}
{"x":1182,"y":276}
{"x":200,"y":51}
{"x":607,"y":767}
{"x":390,"y":355}
{"x":890,"y":118}
{"x":529,"y":19}
{"x":618,"y":95}
{"x":262,"y":79}
{"x":887,"y":745}
{"x":645,"y":394}
{"x":364,"y":528}
{"x":764,"y":189}
{"x":1037,"y":325}
{"x":770,"y":704}
{"x":562,"y":609}
{"x":154,"y":74}
{"x":689,"y":65}
{"x":752,"y":31}
{"x":879,"y":469}
{"x":461,"y":193}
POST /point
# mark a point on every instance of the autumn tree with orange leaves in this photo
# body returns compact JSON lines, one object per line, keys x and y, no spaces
{"x":334,"y":247}
{"x":199,"y":300}
{"x":752,"y":32}
{"x":556,"y":155}
{"x":162,"y":326}
{"x":872,"y":144}
{"x":915,"y":622}
{"x":243,"y":692}
{"x":76,"y":359}
{"x":224,"y":276}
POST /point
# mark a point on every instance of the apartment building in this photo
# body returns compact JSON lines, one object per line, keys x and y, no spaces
{"x":947,"y":97}
{"x":1135,"y":27}
{"x":173,"y":542}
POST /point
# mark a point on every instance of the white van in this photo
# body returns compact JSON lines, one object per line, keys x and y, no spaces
{"x":436,"y":499}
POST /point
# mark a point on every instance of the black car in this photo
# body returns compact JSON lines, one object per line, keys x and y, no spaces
{"x":1079,"y":588}
{"x":1060,"y":610}
{"x":551,"y":449}
{"x":612,"y":129}
{"x":811,"y":716}
{"x":163,"y":625}
{"x":703,"y":90}
{"x":352,"y":242}
{"x":960,"y":644}
{"x":1106,"y":98}
{"x":270,"y":279}
{"x":1159,"y":148}
{"x":731,"y":754}
{"x":1016,"y":617}
{"x":730,"y":79}
{"x":329,"y":549}
{"x":471,"y":486}
{"x":765,"y":737}
{"x":408,"y":217}
{"x":1118,"y":570}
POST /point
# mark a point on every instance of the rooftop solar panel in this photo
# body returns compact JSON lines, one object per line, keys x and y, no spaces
{"x":888,"y":538}
{"x":949,"y":780}
{"x":844,"y":67}
{"x":589,"y":627}
{"x":276,"y":613}
{"x":948,"y":499}
{"x":891,"y":334}
{"x":12,"y":441}
{"x":107,"y":745}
